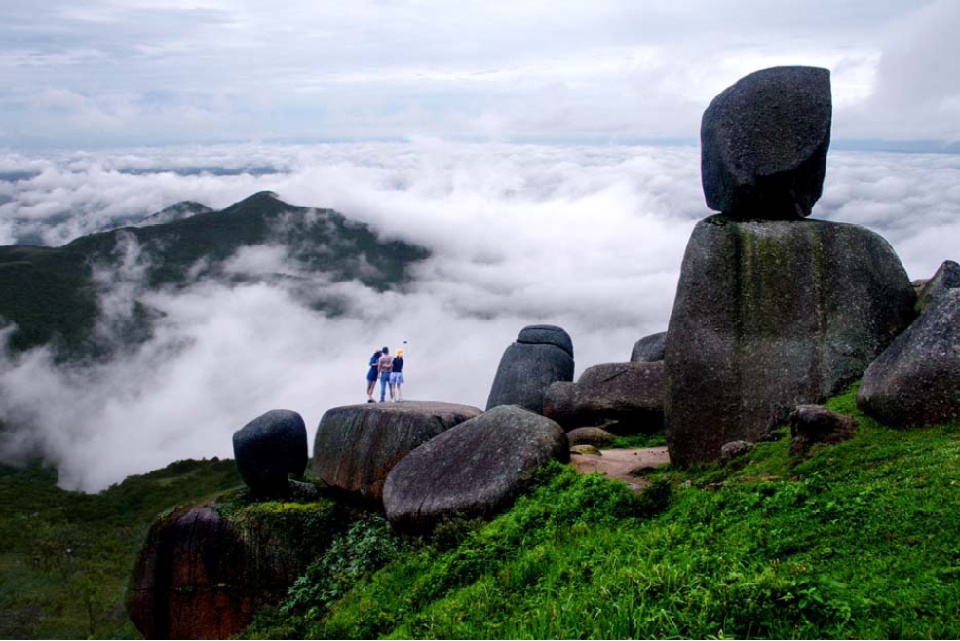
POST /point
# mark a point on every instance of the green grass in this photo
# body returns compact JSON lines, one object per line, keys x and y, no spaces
{"x":861,"y":539}
{"x":66,"y":556}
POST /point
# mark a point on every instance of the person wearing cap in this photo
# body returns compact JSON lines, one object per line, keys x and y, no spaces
{"x":396,"y":377}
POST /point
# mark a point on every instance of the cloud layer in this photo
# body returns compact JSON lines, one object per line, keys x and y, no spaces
{"x":590,"y":238}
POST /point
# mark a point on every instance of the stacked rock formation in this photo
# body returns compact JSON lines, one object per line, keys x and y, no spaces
{"x":771,"y":310}
{"x":269,"y":449}
{"x":357,"y":445}
{"x":542,"y":355}
{"x":628,"y":394}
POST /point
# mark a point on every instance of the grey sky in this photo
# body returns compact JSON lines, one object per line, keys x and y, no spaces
{"x":108,"y":72}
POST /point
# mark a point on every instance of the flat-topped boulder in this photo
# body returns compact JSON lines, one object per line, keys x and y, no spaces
{"x":769,"y":315}
{"x":916,"y":381}
{"x":649,"y":349}
{"x":933,"y":290}
{"x":269,"y":449}
{"x":542,"y":355}
{"x":356,"y":446}
{"x":474,"y":469}
{"x":630,"y":394}
{"x":764,"y":144}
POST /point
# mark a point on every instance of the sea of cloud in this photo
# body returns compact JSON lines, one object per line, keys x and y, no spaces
{"x":589,"y":238}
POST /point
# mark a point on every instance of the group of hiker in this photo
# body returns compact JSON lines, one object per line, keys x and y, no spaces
{"x":389,"y":370}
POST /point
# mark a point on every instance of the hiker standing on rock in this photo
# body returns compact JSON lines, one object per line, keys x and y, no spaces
{"x":372,"y":372}
{"x":396,"y":377}
{"x":385,"y":368}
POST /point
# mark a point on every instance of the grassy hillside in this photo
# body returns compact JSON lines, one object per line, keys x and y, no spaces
{"x":48,"y":291}
{"x":862,"y":539}
{"x":66,"y":556}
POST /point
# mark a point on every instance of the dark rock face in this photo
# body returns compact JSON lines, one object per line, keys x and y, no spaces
{"x":269,"y":448}
{"x":649,"y":349}
{"x":917,"y":380}
{"x":933,"y":290}
{"x":357,"y":445}
{"x":629,"y":393}
{"x":764,"y":144}
{"x":528,"y":368}
{"x":811,"y":424}
{"x":546,"y":335}
{"x":769,"y":315}
{"x":590,"y":436}
{"x":201,"y":575}
{"x":735,"y":449}
{"x":473,"y":469}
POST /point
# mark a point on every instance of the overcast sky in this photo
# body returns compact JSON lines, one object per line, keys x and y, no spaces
{"x":112,"y":72}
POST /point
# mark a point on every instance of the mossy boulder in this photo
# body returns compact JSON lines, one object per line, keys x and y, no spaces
{"x":204,"y":570}
{"x":769,"y":315}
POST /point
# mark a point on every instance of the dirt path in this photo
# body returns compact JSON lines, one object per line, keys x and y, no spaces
{"x":619,"y":463}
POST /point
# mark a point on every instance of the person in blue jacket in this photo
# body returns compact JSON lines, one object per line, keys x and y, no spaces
{"x":372,"y":375}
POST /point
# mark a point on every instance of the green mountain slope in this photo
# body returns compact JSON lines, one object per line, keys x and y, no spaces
{"x":50,"y":294}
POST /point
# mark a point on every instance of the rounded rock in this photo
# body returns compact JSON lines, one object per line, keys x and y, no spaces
{"x":270,"y":448}
{"x":649,"y":349}
{"x":547,"y":335}
{"x":525,"y":372}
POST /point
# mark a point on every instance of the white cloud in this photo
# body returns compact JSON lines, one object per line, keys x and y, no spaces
{"x":590,"y":238}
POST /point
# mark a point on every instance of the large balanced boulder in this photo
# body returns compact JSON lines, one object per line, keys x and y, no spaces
{"x":769,"y":315}
{"x":542,"y":355}
{"x":204,"y":570}
{"x":357,"y":445}
{"x":933,"y":290}
{"x":270,"y":448}
{"x":630,"y":394}
{"x":764,"y":144}
{"x":474,"y":469}
{"x":916,"y":381}
{"x":649,"y":349}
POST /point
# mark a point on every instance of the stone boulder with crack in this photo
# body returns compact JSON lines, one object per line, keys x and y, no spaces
{"x":764,"y":144}
{"x":630,"y":394}
{"x":916,"y":381}
{"x":270,"y":448}
{"x":769,"y":315}
{"x":356,"y":446}
{"x":474,"y":469}
{"x":542,"y":355}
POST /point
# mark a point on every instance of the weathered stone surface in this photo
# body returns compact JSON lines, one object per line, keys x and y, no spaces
{"x":811,"y":424}
{"x":764,"y":144}
{"x":268,"y":449}
{"x":357,"y":445}
{"x":770,"y":315}
{"x":546,"y":335}
{"x":916,"y":381}
{"x":585,"y":450}
{"x":649,"y":349}
{"x":202,"y":575}
{"x":735,"y":449}
{"x":933,"y":290}
{"x":629,"y":393}
{"x":527,"y":368}
{"x":590,"y":436}
{"x":473,"y":469}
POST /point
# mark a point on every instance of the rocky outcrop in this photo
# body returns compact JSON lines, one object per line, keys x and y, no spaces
{"x":590,"y":436}
{"x":270,"y":448}
{"x":933,"y":290}
{"x":474,"y":469}
{"x":735,"y":449}
{"x":631,"y":394}
{"x":764,"y":144}
{"x":769,"y":315}
{"x":811,"y":424}
{"x":542,"y":355}
{"x":356,"y":446}
{"x":649,"y":349}
{"x":916,"y":381}
{"x":204,"y":571}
